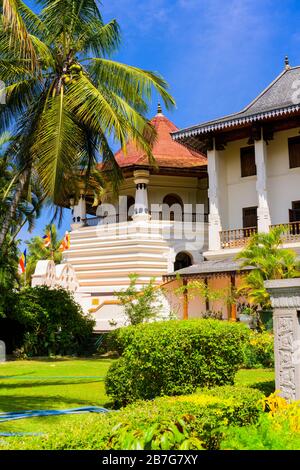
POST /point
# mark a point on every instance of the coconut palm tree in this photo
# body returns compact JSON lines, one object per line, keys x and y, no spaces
{"x":38,"y":251}
{"x":66,"y":98}
{"x":269,"y":260}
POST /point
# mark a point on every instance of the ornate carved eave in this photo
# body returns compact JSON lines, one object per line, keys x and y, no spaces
{"x":285,"y":293}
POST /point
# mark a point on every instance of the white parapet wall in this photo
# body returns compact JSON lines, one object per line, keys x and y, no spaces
{"x":51,"y":275}
{"x":109,"y":314}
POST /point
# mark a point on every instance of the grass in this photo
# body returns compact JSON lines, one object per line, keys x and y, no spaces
{"x":50,"y":384}
{"x":262,"y":379}
{"x":59,"y":384}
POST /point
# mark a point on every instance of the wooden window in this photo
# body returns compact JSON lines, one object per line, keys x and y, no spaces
{"x":294,"y":152}
{"x":249,"y":217}
{"x":295,"y":212}
{"x":248,"y":165}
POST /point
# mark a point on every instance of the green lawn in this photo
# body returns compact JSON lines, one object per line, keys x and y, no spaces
{"x":59,"y":384}
{"x":50,"y":384}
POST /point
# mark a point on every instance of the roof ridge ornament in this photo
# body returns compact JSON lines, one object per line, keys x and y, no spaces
{"x":159,"y":110}
{"x":287,"y":63}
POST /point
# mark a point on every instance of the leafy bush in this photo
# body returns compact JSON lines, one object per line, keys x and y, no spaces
{"x":185,"y":422}
{"x":259,"y":351}
{"x":48,"y":321}
{"x":140,"y":305}
{"x":174,"y":358}
{"x":277,"y":430}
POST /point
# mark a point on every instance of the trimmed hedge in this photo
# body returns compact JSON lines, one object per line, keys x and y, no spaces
{"x":167,"y":423}
{"x":174,"y":358}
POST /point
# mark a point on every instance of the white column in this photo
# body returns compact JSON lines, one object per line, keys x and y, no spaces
{"x":215,"y":225}
{"x":285,"y":299}
{"x":263,"y":211}
{"x":141,"y":209}
{"x":79,"y":212}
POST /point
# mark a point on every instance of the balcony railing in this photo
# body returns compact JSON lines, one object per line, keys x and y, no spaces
{"x":156,"y":216}
{"x":185,"y":217}
{"x":291,"y":231}
{"x":236,"y":238}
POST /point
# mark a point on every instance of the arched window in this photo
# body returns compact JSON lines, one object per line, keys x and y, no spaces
{"x":130,"y":207}
{"x":183,"y":260}
{"x":176,"y":205}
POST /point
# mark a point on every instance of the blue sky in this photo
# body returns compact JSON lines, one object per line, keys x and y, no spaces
{"x":216,"y":55}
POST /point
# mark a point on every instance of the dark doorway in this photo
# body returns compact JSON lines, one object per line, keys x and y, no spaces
{"x":172,"y":200}
{"x":250,"y":217}
{"x":295,"y":212}
{"x":130,"y":207}
{"x":183,"y":260}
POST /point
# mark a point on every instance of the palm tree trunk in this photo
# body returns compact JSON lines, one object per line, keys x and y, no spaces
{"x":11,"y":213}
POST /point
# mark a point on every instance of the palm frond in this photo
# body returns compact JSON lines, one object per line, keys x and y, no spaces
{"x":99,"y":39}
{"x":141,"y":131}
{"x":58,"y":145}
{"x":19,"y":96}
{"x":69,"y":19}
{"x":19,"y":36}
{"x":93,"y":109}
{"x":129,"y":81}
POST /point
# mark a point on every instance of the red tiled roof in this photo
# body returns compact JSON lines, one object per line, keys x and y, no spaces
{"x":166,"y":151}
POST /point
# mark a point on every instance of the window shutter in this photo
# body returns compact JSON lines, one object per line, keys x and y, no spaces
{"x":294,"y":152}
{"x":248,"y":165}
{"x":249,"y":217}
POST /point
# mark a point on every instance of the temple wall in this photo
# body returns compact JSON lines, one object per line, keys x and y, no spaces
{"x":240,"y":192}
{"x":283,"y":182}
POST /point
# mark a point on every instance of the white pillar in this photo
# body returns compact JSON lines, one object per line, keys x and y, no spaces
{"x":285,"y":299}
{"x":79,"y":213}
{"x":141,"y":209}
{"x":263,"y":211}
{"x":215,"y":225}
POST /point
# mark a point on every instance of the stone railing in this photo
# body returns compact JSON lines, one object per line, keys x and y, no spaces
{"x":291,"y":231}
{"x":236,"y":238}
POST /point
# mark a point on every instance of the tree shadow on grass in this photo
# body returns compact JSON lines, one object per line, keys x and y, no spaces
{"x":266,"y":388}
{"x":7,"y":377}
{"x":37,"y":402}
{"x":11,"y":358}
{"x":47,"y":383}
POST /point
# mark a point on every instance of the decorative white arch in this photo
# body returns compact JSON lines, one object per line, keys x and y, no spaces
{"x":51,"y":275}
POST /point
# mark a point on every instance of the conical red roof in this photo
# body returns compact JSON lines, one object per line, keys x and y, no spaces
{"x":166,"y":151}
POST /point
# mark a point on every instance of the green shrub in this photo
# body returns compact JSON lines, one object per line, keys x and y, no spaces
{"x":174,"y":358}
{"x":274,"y":431}
{"x":48,"y":322}
{"x":259,"y":351}
{"x":140,"y":305}
{"x":185,"y":422}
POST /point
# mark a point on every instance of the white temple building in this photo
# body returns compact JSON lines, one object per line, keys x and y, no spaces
{"x":222,"y":181}
{"x":141,"y":232}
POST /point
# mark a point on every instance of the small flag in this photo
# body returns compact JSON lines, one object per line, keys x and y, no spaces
{"x":22,"y":263}
{"x":47,"y":240}
{"x":65,"y":243}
